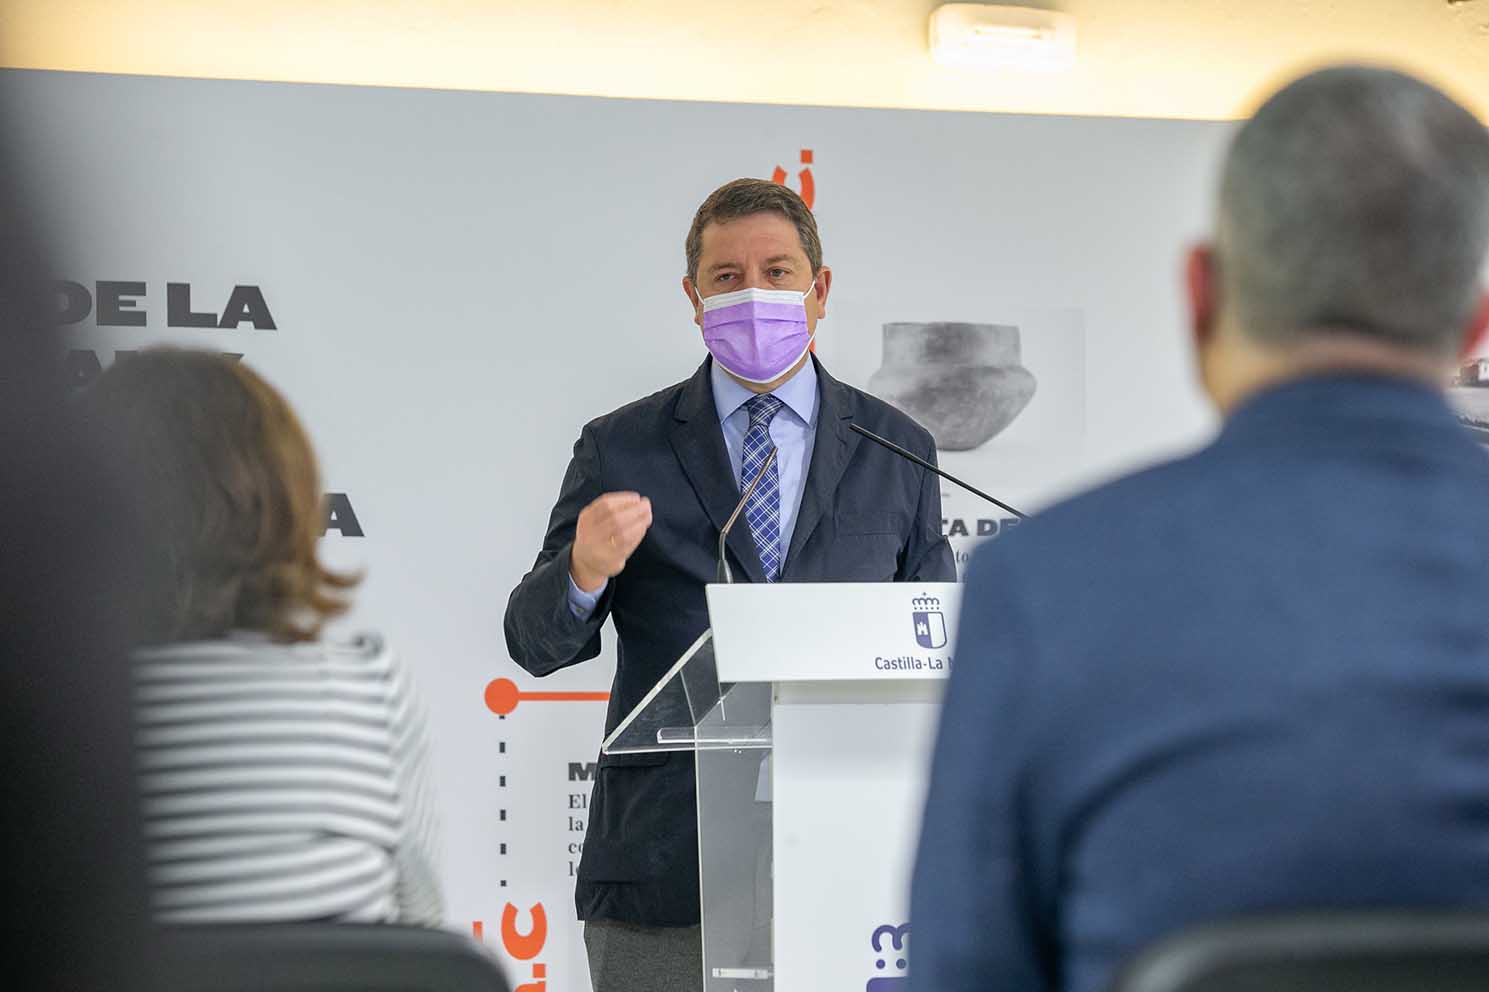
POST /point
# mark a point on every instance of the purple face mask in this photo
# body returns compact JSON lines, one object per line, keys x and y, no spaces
{"x":757,"y":334}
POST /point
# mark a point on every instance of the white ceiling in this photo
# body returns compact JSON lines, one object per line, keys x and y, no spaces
{"x":1164,"y":58}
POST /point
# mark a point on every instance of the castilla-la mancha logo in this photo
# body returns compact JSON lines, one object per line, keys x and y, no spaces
{"x":890,"y":961}
{"x":930,"y":622}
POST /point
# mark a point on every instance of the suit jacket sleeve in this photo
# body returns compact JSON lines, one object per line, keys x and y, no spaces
{"x":543,"y":634}
{"x":978,"y":918}
{"x":928,"y":556}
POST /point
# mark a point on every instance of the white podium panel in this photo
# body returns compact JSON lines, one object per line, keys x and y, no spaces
{"x":811,"y":631}
{"x":857,"y":672}
{"x":849,"y":779}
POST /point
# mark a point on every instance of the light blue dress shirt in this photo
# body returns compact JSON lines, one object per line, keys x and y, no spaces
{"x":793,"y":431}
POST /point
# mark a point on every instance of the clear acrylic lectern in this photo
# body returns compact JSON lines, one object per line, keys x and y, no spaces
{"x":810,"y":710}
{"x":728,"y":729}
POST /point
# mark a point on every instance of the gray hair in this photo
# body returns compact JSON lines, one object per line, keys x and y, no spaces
{"x":1356,"y":200}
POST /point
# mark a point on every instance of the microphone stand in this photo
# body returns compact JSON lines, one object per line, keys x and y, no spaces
{"x":724,"y":574}
{"x":927,"y":465}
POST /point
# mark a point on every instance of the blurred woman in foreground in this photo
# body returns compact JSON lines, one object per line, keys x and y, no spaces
{"x":284,"y":776}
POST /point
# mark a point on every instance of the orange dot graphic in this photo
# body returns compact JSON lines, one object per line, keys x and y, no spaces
{"x":502,"y":696}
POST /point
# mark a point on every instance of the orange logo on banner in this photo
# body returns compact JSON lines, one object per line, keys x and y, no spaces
{"x":502,"y":696}
{"x":522,"y":946}
{"x":808,"y":185}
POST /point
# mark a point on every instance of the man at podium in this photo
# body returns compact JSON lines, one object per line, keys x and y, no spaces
{"x":634,"y":536}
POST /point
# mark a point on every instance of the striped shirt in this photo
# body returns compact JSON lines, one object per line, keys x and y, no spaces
{"x":284,"y":782}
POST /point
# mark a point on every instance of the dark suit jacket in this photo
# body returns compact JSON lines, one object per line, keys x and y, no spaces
{"x":866,"y":515}
{"x":1254,"y":679}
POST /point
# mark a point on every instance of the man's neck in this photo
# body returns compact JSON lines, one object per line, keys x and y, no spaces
{"x":1247,"y":367}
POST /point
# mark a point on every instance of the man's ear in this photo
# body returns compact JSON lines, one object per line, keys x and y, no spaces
{"x":1476,"y":335}
{"x":1201,"y":280}
{"x":821,"y":286}
{"x":691,"y":292}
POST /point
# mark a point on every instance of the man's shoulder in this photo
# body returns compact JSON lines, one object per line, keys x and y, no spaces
{"x":1141,"y":488}
{"x":1134,"y":514}
{"x":643,"y":413}
{"x":884,"y":419}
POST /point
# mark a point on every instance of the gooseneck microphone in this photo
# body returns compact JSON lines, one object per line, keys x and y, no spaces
{"x":927,"y":465}
{"x":724,"y":575}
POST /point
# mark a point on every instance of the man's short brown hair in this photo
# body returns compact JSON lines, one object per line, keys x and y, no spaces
{"x":234,"y":505}
{"x":743,"y":197}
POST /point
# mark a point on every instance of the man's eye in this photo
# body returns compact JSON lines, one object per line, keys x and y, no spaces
{"x":779,"y":273}
{"x":723,"y":277}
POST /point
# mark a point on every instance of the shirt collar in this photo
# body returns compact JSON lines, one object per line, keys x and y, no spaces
{"x":799,"y":392}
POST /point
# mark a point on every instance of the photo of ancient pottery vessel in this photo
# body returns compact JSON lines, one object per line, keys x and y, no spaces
{"x":962,"y":382}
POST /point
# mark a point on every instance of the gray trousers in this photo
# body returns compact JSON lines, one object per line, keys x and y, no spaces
{"x":628,"y":958}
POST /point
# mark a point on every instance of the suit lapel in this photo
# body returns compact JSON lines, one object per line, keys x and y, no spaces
{"x":698,"y":442}
{"x":831,"y":451}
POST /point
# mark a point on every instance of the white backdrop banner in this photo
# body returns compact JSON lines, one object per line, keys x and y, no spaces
{"x":448,"y":285}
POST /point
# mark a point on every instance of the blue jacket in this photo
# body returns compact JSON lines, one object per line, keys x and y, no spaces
{"x":866,"y":515}
{"x":1253,"y":679}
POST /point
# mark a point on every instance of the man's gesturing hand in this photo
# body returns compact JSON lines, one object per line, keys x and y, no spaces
{"x":609,"y":529}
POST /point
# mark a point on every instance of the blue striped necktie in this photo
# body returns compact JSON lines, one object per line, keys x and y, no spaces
{"x":763,"y":510}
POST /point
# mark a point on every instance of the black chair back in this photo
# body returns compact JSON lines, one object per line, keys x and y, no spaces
{"x":1344,"y":952}
{"x":323,"y":957}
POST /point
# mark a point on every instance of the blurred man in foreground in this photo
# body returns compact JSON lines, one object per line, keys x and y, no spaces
{"x":1256,"y":678}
